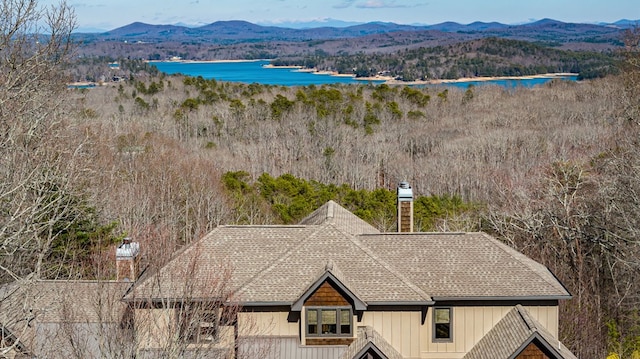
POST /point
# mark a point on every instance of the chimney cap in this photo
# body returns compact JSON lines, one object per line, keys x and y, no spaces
{"x":127,"y":249}
{"x":405,"y":192}
{"x":404,"y":184}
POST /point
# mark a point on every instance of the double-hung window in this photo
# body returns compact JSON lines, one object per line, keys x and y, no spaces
{"x":442,"y":328}
{"x":198,"y":323}
{"x":329,"y":321}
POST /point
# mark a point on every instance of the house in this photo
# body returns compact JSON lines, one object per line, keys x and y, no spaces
{"x":333,"y":286}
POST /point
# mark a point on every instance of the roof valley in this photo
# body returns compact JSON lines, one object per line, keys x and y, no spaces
{"x":264,"y":271}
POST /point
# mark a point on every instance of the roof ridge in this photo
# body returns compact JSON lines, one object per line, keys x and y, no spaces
{"x":262,"y":272}
{"x":528,"y":262}
{"x":386,"y":265}
{"x":524,"y":314}
{"x":330,"y":209}
{"x":368,"y":338}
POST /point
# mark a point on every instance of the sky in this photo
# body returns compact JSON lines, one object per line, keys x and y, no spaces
{"x":111,"y":14}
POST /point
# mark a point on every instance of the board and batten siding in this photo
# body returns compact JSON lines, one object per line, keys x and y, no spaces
{"x":154,"y":330}
{"x":470,"y":324}
{"x":153,"y":327}
{"x":266,"y":324}
{"x":406,"y":333}
{"x":402,"y":329}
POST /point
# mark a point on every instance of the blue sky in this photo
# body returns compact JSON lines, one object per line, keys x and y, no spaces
{"x":110,"y":14}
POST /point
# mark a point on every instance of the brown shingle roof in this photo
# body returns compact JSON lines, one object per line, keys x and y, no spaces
{"x":333,"y":213}
{"x":368,"y":338}
{"x":261,"y":264}
{"x":465,"y":265}
{"x":367,"y":275}
{"x":512,"y":334}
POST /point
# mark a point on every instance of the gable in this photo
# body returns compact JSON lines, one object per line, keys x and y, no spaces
{"x":370,"y":344}
{"x":532,"y":351}
{"x":370,"y":352}
{"x":326,"y":295}
{"x":519,"y":336}
{"x":328,"y":290}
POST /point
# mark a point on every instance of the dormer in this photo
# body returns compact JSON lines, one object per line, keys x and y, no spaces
{"x":328,"y":310}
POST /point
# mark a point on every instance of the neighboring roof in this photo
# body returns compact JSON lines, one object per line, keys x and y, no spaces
{"x":370,"y":340}
{"x":275,"y":265}
{"x":68,"y":301}
{"x":23,"y":302}
{"x":512,"y":334}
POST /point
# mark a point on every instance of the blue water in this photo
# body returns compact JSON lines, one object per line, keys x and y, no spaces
{"x":250,"y":72}
{"x":80,"y":87}
{"x":255,"y":72}
{"x":510,"y":83}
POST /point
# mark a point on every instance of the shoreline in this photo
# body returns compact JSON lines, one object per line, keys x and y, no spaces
{"x":389,"y":80}
{"x":183,"y":61}
{"x":392,"y":81}
{"x":204,"y":61}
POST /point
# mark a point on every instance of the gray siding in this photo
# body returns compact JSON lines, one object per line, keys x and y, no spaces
{"x":286,"y":348}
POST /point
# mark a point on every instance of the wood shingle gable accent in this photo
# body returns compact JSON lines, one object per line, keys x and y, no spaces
{"x":326,"y":295}
{"x":328,"y":289}
{"x":532,"y":351}
{"x":514,"y":334}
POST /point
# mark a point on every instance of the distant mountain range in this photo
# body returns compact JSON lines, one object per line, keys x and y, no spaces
{"x":226,"y":32}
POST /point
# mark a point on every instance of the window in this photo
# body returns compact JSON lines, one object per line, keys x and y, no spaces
{"x":198,"y":323}
{"x":442,"y":324}
{"x":329,"y":321}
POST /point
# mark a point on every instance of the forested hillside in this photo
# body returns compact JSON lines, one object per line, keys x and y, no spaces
{"x":483,"y":57}
{"x":553,"y":171}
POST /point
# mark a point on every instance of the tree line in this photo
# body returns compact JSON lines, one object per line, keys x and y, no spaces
{"x":483,"y":57}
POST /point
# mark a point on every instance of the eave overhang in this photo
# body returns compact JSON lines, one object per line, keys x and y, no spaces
{"x":505,"y":298}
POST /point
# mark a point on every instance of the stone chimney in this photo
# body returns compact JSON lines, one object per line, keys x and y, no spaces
{"x":405,"y":207}
{"x":127,"y":260}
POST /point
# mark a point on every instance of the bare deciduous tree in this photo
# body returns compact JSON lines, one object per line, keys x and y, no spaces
{"x":37,"y":169}
{"x":38,"y":172}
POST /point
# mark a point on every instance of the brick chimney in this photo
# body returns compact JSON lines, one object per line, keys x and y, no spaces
{"x":127,"y":260}
{"x":405,"y":207}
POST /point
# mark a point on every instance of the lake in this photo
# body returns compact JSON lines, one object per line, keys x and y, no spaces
{"x":255,"y":72}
